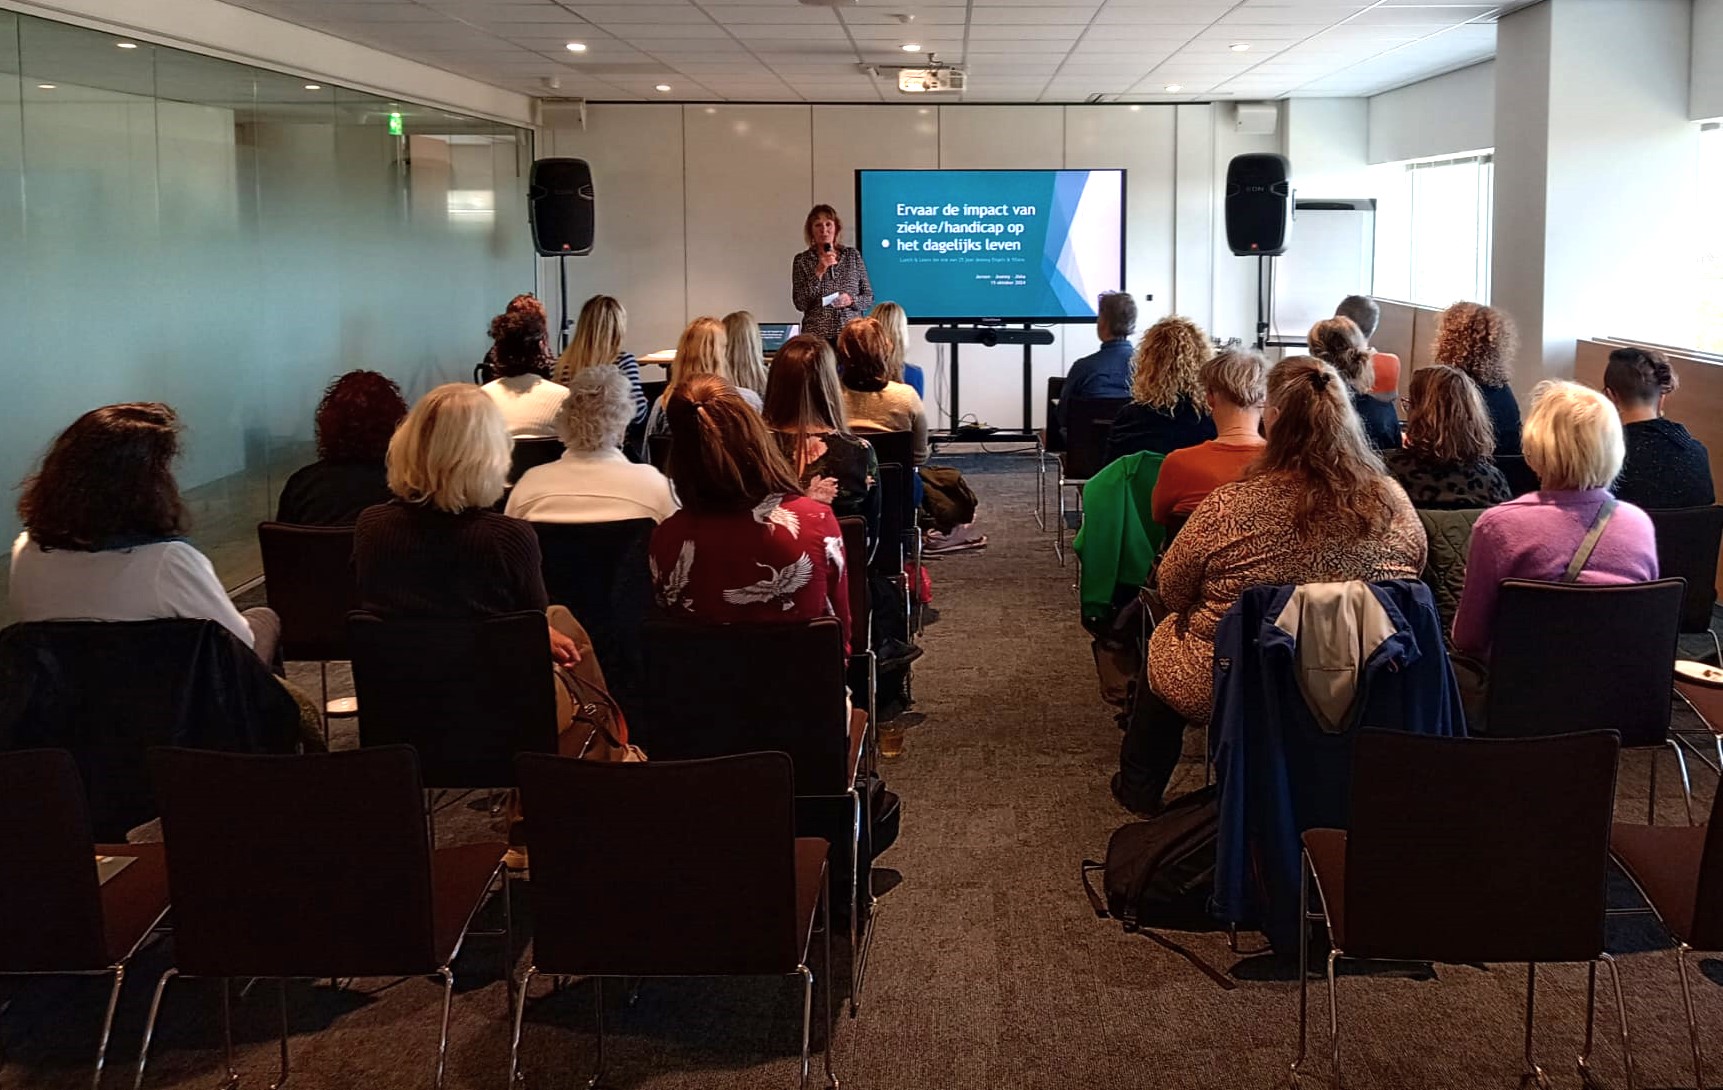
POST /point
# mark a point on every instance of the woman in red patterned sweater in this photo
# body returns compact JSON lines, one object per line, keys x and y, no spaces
{"x":746,"y":546}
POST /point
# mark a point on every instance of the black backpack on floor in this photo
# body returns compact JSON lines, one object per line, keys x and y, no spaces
{"x":1160,"y":872}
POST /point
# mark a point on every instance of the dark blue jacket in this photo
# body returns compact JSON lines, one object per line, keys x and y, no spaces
{"x":1103,"y":373}
{"x":1278,"y":773}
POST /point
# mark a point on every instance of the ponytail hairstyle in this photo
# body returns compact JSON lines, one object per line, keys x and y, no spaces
{"x":722,"y":459}
{"x":1339,"y":343}
{"x":1314,"y":439}
{"x":1638,"y":376}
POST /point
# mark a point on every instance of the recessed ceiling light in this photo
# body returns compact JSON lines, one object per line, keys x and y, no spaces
{"x":46,"y":86}
{"x":1240,"y":47}
{"x":576,"y":47}
{"x":911,"y":47}
{"x":127,"y":45}
{"x":663,"y":87}
{"x":314,"y":87}
{"x":1173,"y":88}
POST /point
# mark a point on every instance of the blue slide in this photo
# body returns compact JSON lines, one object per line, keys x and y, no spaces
{"x":962,"y":245}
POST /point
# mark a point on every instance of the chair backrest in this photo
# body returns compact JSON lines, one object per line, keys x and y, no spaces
{"x":854,"y":529}
{"x":1479,"y":849}
{"x":299,"y":866}
{"x":529,"y":452}
{"x":1687,"y":542}
{"x":468,"y":694}
{"x":715,"y":690}
{"x":602,"y":573}
{"x":1088,"y":423}
{"x":1522,"y":479}
{"x":50,"y":900}
{"x":108,"y":690}
{"x":1707,"y":930}
{"x":662,"y":868}
{"x":308,"y":576}
{"x":1050,"y":413}
{"x":658,"y":451}
{"x":1582,"y":656}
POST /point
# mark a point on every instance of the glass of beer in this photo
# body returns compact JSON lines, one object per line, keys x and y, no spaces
{"x":891,"y":740}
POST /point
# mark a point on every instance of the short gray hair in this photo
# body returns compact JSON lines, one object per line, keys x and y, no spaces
{"x":1118,"y":312}
{"x":597,"y":411}
{"x":1363,"y":311}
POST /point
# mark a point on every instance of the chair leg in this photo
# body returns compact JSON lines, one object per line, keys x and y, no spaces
{"x":1651,"y":803}
{"x":807,"y":1017}
{"x":1334,"y":1017}
{"x":232,"y":1082}
{"x":281,"y":998}
{"x":1681,"y":952}
{"x":1717,"y":647}
{"x":1532,"y":1071}
{"x":323,"y":708}
{"x":508,"y":937}
{"x":1041,"y":491}
{"x":448,"y":976}
{"x":108,"y":1024}
{"x":515,"y":1076}
{"x":1686,"y":783}
{"x":598,"y":1020}
{"x":150,"y":1026}
{"x":1621,"y":1017}
{"x":1303,"y":965}
{"x":856,"y":901}
{"x":1059,"y":527}
{"x":826,"y":972}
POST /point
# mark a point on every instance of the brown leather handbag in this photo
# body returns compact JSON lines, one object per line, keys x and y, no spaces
{"x":597,"y":724}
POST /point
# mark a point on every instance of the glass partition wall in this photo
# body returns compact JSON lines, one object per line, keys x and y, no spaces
{"x":227,"y":239}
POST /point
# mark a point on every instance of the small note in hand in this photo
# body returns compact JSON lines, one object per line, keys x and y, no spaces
{"x":109,"y":865}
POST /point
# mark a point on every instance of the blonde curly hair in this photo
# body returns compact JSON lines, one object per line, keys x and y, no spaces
{"x":1479,"y":340}
{"x":1167,"y":366}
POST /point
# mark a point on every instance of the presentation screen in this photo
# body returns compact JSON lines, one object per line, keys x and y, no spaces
{"x":1015,"y":245}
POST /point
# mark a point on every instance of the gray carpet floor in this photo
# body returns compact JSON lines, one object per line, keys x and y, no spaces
{"x":988,"y":968}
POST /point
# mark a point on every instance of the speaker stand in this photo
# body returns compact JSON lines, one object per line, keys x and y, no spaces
{"x":567,"y":322}
{"x":1264,"y":298}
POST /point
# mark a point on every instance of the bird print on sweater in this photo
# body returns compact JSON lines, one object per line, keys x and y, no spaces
{"x":779,"y":586}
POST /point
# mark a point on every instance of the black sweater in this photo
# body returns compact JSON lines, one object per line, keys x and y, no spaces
{"x":1665,"y":467}
{"x":415,"y":561}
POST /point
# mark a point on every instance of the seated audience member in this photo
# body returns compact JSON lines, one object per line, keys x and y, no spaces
{"x":437,"y":550}
{"x":1445,"y":463}
{"x":1105,"y":372}
{"x":593,"y":481}
{"x":104,"y":533}
{"x":1236,"y":382}
{"x":525,"y":303}
{"x":896,"y":324}
{"x":872,"y":401}
{"x":1316,"y":506}
{"x":745,"y":354}
{"x":1480,"y":341}
{"x":1341,"y":345}
{"x":598,"y":341}
{"x":1166,"y":410}
{"x":1665,"y":466}
{"x":703,"y":349}
{"x":746,"y":546}
{"x":1384,"y":366}
{"x":805,"y":411}
{"x":355,"y":419}
{"x":1573,"y":442}
{"x":527,"y":398}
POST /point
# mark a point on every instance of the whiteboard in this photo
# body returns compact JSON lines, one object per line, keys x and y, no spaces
{"x":1331,"y":253}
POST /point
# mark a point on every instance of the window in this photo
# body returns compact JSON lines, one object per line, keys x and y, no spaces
{"x":1708,"y":232}
{"x":1433,"y":230}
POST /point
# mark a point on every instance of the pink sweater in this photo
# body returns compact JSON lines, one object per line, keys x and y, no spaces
{"x":1535,"y":537}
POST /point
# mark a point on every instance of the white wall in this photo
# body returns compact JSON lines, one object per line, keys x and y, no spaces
{"x":1522,"y":110}
{"x":1328,"y":141}
{"x":700,"y":210}
{"x":1445,"y":115}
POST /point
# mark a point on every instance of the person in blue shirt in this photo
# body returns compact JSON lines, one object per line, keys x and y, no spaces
{"x":1105,"y":372}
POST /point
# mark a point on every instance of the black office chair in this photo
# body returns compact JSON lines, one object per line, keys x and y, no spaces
{"x":1088,"y":423}
{"x":528,"y":453}
{"x":308,"y":579}
{"x":601,"y":572}
{"x":467,"y":694}
{"x":658,"y":451}
{"x":1688,"y":539}
{"x":1050,"y":440}
{"x":1568,"y":657}
{"x":900,"y":516}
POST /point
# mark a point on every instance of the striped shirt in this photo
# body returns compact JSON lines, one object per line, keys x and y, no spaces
{"x":630,"y":368}
{"x":808,"y":285}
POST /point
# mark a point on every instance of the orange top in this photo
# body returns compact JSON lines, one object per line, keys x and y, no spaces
{"x":1386,"y":366}
{"x":1188,"y":475}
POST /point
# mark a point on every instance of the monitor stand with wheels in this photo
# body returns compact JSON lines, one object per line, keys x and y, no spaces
{"x":988,"y":334}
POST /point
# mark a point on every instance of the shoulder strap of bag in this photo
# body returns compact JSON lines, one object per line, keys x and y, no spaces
{"x":1589,"y":542}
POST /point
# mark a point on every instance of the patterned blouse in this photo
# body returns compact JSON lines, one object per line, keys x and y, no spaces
{"x":808,"y":285}
{"x":781,"y":562}
{"x":849,"y":461}
{"x":1455,"y":487}
{"x":1242,"y":536}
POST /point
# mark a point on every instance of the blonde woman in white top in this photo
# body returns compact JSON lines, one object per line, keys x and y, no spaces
{"x":527,"y":399}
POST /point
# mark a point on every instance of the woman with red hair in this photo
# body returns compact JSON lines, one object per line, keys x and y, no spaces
{"x":355,"y":419}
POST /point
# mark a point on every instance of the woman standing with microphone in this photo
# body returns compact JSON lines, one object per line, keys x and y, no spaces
{"x":828,"y":280}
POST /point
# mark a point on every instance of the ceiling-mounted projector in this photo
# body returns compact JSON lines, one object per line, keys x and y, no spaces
{"x":919,"y":81}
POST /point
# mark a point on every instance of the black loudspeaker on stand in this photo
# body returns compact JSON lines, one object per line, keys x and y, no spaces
{"x":561,"y":210}
{"x":1258,"y":220}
